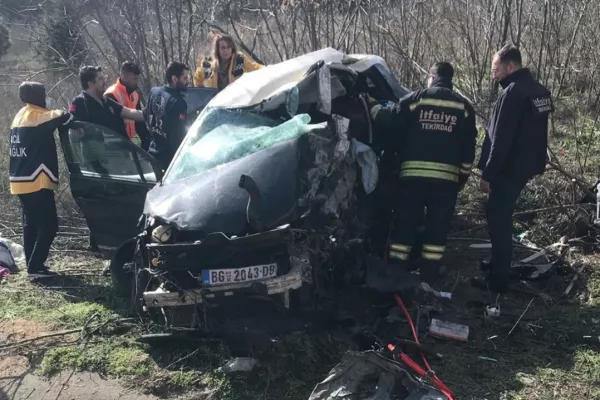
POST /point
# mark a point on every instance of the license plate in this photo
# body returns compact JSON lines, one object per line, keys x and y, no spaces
{"x":238,"y":275}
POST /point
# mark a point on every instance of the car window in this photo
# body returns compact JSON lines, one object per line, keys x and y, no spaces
{"x":221,"y":135}
{"x":99,"y":151}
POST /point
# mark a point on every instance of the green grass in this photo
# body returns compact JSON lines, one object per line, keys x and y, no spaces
{"x":115,"y":357}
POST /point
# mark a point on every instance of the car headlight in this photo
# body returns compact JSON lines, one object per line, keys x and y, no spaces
{"x":162,"y":234}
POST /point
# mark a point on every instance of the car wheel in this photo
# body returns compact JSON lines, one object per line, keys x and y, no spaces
{"x":140,"y":281}
{"x":121,"y":269}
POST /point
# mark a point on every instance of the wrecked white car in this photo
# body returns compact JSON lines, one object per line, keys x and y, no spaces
{"x":274,"y":177}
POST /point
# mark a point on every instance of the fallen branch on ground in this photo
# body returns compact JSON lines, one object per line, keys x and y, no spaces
{"x":583,"y":185}
{"x":575,"y":278}
{"x":521,"y":317}
{"x":557,"y":208}
{"x":46,"y":336}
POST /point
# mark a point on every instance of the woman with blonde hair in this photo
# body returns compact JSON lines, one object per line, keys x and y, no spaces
{"x":225,"y":66}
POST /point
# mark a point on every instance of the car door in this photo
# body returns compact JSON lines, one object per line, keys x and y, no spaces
{"x":109,"y":178}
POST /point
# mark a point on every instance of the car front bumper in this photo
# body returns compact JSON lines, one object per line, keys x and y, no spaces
{"x":298,"y":275}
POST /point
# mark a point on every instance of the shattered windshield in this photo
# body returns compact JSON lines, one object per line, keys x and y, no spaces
{"x":223,"y":135}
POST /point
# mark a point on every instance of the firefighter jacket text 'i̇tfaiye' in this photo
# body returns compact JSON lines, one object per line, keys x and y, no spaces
{"x":435,"y":133}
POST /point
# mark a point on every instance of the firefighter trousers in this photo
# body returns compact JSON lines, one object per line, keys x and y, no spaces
{"x":415,"y":196}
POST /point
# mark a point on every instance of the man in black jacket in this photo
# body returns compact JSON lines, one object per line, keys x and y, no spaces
{"x":166,"y":114}
{"x":433,"y":133}
{"x":514,"y":151}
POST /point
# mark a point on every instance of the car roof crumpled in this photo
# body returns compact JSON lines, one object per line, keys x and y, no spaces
{"x":252,"y":88}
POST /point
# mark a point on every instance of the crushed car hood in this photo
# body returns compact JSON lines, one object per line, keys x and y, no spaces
{"x":213,"y":201}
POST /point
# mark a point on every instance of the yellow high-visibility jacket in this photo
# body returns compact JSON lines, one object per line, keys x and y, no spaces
{"x":207,"y":76}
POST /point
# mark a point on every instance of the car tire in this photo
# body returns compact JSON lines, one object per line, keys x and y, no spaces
{"x":139,"y":283}
{"x":122,"y":279}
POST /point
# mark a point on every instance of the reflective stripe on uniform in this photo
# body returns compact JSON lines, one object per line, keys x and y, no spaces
{"x":375,"y":110}
{"x":434,"y":248}
{"x":43,"y":181}
{"x":432,"y":256}
{"x":429,"y":174}
{"x":398,"y":256}
{"x":438,"y":103}
{"x":400,"y":247}
{"x":453,"y":169}
{"x":427,"y":169}
{"x":433,"y":252}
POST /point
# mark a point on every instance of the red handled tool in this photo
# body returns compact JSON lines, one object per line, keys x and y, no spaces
{"x":437,"y":382}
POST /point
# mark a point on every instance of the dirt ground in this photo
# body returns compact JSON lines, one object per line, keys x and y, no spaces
{"x":18,"y":380}
{"x":23,"y":384}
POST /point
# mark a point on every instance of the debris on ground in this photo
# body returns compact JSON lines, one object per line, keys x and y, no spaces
{"x":10,"y":254}
{"x":492,"y":311}
{"x":371,"y":374}
{"x":443,"y":295}
{"x":449,"y":330}
{"x":240,"y":364}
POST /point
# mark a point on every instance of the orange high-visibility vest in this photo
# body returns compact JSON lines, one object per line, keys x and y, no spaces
{"x":119,"y":91}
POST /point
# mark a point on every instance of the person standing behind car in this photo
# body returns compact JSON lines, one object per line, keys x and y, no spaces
{"x":433,"y":132}
{"x":166,"y":113}
{"x":124,"y":92}
{"x":514,"y":151}
{"x":34,"y":173}
{"x":91,"y":105}
{"x":225,"y":66}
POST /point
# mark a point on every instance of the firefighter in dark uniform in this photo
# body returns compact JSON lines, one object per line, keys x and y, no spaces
{"x":34,"y":172}
{"x":433,"y":133}
{"x":513,"y":152}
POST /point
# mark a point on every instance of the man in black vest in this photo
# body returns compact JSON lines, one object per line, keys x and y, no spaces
{"x":514,"y":151}
{"x":34,"y":172}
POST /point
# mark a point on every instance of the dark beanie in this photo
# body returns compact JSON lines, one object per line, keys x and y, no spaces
{"x":33,"y":93}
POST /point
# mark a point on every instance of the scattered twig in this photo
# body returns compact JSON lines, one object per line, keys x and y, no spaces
{"x":63,"y":287}
{"x":455,"y":282}
{"x":49,"y":335}
{"x":575,"y":278}
{"x":29,"y":395}
{"x":182,"y":358}
{"x":81,"y":269}
{"x":72,"y":251}
{"x":62,"y":387}
{"x":521,"y":317}
{"x":57,"y":292}
{"x":556,"y":208}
